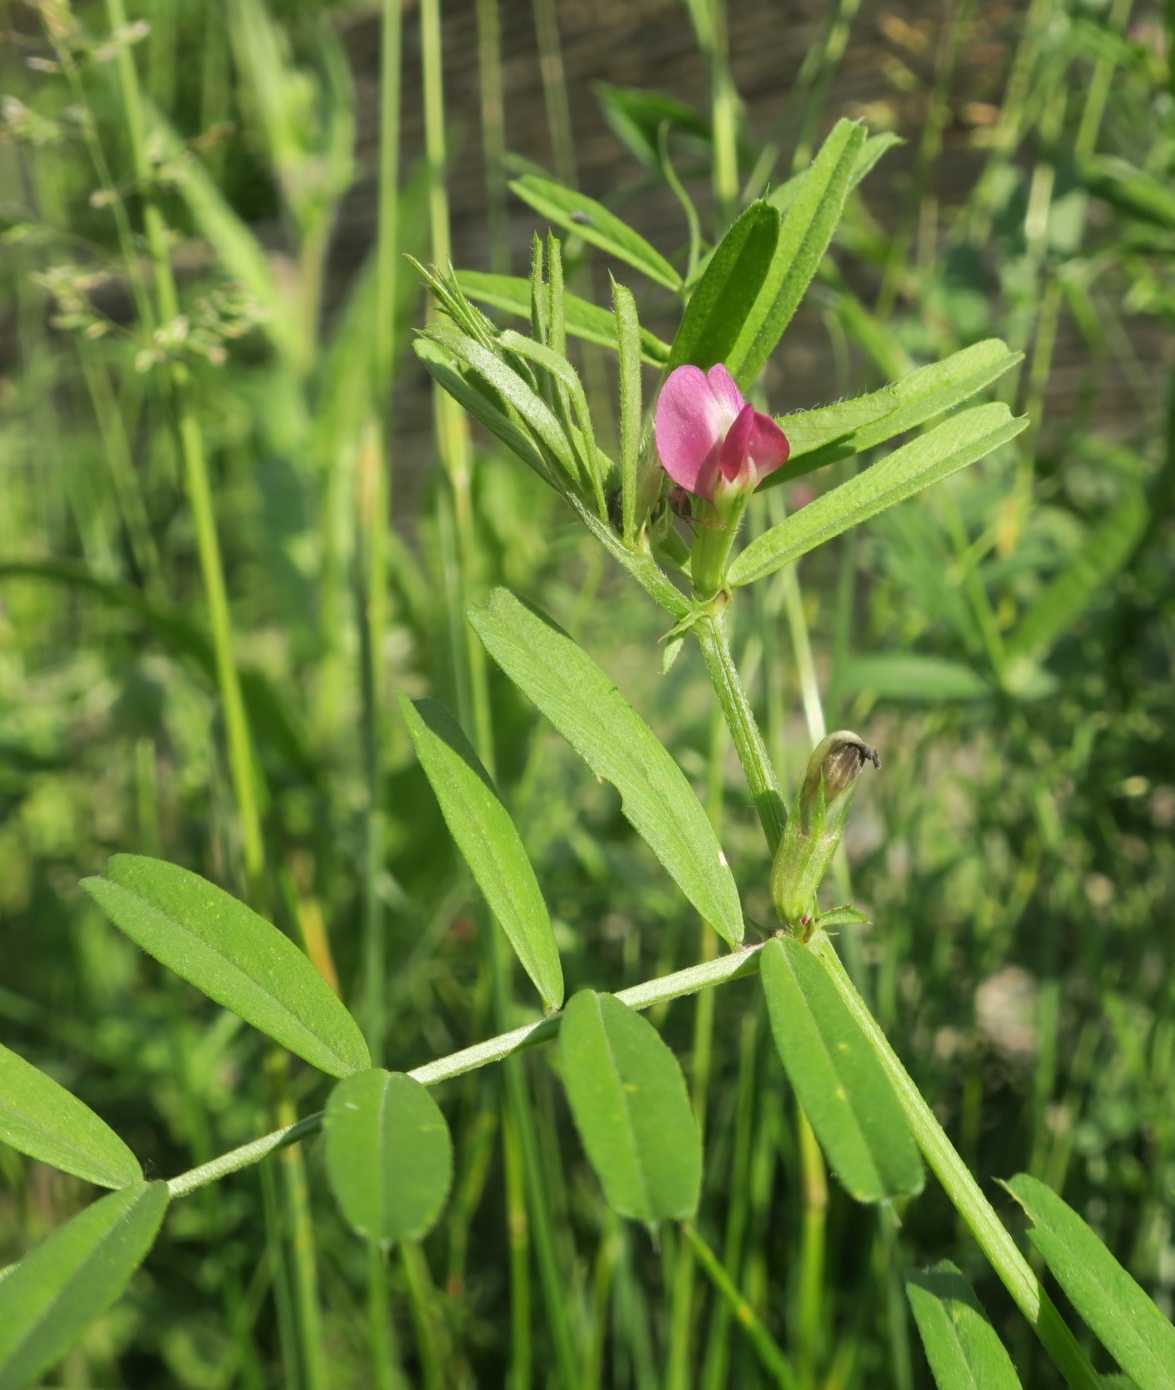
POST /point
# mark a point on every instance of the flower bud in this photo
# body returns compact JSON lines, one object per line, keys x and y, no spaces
{"x":815,"y":827}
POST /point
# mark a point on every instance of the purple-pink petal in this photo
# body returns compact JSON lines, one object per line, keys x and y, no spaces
{"x":725,"y":391}
{"x":768,"y":446}
{"x":736,"y":447}
{"x":690,"y":426}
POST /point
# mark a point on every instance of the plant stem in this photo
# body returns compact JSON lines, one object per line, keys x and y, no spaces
{"x":676,"y":986}
{"x":196,"y":480}
{"x":768,"y":1350}
{"x":740,"y":720}
{"x":964,"y":1192}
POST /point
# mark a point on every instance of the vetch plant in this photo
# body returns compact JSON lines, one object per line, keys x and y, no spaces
{"x":387,"y":1148}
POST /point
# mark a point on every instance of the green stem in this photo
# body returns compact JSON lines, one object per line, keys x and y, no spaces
{"x":196,"y":480}
{"x":740,"y":720}
{"x":768,"y":1350}
{"x":964,"y":1192}
{"x":732,"y":966}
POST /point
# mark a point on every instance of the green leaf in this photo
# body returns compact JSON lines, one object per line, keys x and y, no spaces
{"x":480,"y":400}
{"x":389,"y":1157}
{"x":594,"y":223}
{"x":224,"y":948}
{"x":901,"y":676}
{"x":636,"y":117}
{"x":42,"y":1119}
{"x":487,"y":839}
{"x":833,"y":432}
{"x":615,"y":742}
{"x":728,"y":290}
{"x":631,"y":1108}
{"x":928,"y":459}
{"x":963,"y":1349}
{"x":837,"y":1078}
{"x":629,"y":371}
{"x":1105,"y":551}
{"x":803,"y":239}
{"x":513,"y":390}
{"x":583,"y":319}
{"x":50,"y":1298}
{"x":1137,"y":1335}
{"x":1129,"y":189}
{"x":867,"y":156}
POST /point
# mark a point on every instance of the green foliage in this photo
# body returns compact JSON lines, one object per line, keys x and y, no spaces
{"x":1138,"y":1336}
{"x":57,"y":1291}
{"x":389,"y":1157}
{"x":804,"y":238}
{"x":487,"y":839}
{"x":631,"y":1108}
{"x":725,"y":296}
{"x":961,"y":1345}
{"x":836,"y":1077}
{"x":928,"y":459}
{"x":234,"y":956}
{"x":40,"y":1118}
{"x":586,"y":218}
{"x":615,"y":742}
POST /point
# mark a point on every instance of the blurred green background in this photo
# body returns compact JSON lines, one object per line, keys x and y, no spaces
{"x":203,"y":278}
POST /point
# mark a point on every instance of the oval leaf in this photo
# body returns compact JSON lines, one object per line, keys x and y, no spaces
{"x":50,"y":1298}
{"x":389,"y":1157}
{"x":225,"y":949}
{"x":724,"y":296}
{"x":487,"y":839}
{"x":615,"y":742}
{"x":964,"y":1350}
{"x":837,"y":1078}
{"x":631,"y":1108}
{"x":593,"y":222}
{"x":42,"y":1119}
{"x":926,"y":460}
{"x":1135,"y":1333}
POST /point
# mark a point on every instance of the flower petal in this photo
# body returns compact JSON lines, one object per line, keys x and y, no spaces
{"x":736,"y":447}
{"x":722,"y":384}
{"x":690,"y":425}
{"x":768,"y":446}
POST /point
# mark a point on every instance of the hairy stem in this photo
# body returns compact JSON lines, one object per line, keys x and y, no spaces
{"x":675,"y":986}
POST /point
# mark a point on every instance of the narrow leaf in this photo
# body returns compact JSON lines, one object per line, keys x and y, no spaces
{"x":513,"y":390}
{"x":487,"y":839}
{"x":905,"y":676}
{"x":1137,"y":1335}
{"x":615,"y":742}
{"x":389,"y":1158}
{"x":49,"y":1299}
{"x":728,"y":290}
{"x":629,"y":368}
{"x":42,"y":1119}
{"x":631,"y":1108}
{"x":832,"y":432}
{"x":1105,"y":551}
{"x":837,"y":1077}
{"x":225,"y":949}
{"x":583,"y":319}
{"x":804,"y":238}
{"x":964,"y":1350}
{"x":1129,"y":189}
{"x":481,"y":401}
{"x":924,"y":461}
{"x":867,"y":156}
{"x":594,"y":223}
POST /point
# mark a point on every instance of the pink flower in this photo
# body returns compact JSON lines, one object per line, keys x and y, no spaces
{"x":706,"y":432}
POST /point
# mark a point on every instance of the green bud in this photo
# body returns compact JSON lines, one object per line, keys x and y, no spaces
{"x":815,"y":827}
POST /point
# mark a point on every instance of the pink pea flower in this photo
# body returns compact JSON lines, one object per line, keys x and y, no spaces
{"x":706,"y":431}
